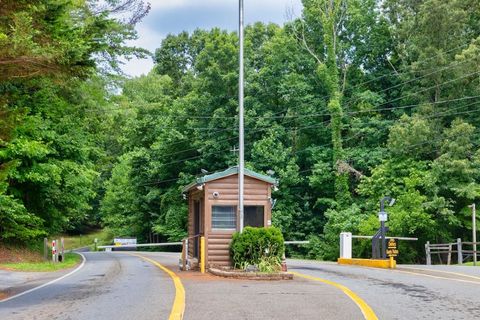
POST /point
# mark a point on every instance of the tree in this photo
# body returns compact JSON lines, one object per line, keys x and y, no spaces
{"x":51,"y":53}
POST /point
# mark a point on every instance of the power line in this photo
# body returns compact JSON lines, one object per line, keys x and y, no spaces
{"x":321,"y":114}
{"x":418,"y":78}
{"x":324,"y":97}
{"x":410,"y":66}
{"x":328,"y":114}
{"x":443,"y":114}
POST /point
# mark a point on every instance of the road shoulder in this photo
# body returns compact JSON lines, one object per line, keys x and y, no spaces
{"x":14,"y":283}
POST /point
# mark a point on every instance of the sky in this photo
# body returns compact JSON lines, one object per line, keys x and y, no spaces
{"x":174,"y":16}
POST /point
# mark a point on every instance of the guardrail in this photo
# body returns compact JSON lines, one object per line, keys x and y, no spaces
{"x":296,"y":242}
{"x":164,"y":244}
{"x":441,"y":248}
{"x":398,"y":238}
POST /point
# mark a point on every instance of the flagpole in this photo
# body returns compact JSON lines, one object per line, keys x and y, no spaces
{"x":241,"y":156}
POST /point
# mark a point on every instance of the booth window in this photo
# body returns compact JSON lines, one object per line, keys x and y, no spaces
{"x":253,"y":216}
{"x":224,"y":217}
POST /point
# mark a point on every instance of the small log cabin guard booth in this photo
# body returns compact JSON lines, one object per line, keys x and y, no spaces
{"x":213,"y":214}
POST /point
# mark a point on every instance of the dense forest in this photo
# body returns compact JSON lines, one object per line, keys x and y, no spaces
{"x":349,"y":102}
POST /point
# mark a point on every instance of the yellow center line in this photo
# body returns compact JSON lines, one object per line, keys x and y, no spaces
{"x":442,"y":271}
{"x":437,"y":277}
{"x":178,"y":307}
{"x":367,"y":312}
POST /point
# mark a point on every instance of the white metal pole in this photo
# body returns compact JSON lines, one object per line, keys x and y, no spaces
{"x":240,"y":119}
{"x":474,"y":234}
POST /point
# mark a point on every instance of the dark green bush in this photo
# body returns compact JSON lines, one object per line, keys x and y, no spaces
{"x":262,"y":247}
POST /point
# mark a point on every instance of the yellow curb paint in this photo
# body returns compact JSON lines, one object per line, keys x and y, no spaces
{"x":178,"y":307}
{"x":374,"y":263}
{"x":367,"y":312}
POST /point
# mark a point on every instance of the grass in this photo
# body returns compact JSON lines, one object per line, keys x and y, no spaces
{"x":470,"y":264}
{"x":86,"y":240}
{"x":71,"y":259}
{"x":30,"y":256}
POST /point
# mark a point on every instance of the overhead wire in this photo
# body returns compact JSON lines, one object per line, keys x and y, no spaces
{"x":326,"y":121}
{"x":327,"y":114}
{"x":324,"y":97}
{"x":443,"y":114}
{"x":374,"y":108}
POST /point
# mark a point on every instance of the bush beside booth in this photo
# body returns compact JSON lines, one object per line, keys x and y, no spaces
{"x":262,"y":248}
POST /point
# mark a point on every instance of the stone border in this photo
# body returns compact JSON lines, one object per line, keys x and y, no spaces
{"x":250,"y":275}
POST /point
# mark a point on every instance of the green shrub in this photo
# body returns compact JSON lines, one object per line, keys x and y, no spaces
{"x":262,"y":247}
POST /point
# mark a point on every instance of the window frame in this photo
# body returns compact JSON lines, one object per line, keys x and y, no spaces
{"x":255,"y":206}
{"x":214,"y":228}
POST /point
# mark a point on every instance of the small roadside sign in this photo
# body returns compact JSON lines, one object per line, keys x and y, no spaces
{"x":392,"y":249}
{"x":382,"y":216}
{"x":123,"y":244}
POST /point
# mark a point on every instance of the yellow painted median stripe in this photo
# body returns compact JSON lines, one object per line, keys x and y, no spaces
{"x":367,"y":312}
{"x":178,"y":307}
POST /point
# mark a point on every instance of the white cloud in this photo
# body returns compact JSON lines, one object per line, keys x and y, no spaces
{"x":178,"y":15}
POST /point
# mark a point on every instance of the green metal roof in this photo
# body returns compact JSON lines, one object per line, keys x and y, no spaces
{"x":229,"y":172}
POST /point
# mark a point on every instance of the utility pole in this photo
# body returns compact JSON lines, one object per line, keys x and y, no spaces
{"x":474,"y":233}
{"x":241,"y":156}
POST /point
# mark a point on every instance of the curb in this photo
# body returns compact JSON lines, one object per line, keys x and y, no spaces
{"x":251,"y":275}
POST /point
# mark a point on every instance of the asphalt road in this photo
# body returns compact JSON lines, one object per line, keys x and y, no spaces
{"x":121,"y":286}
{"x":109,"y":286}
{"x":409,"y":292}
{"x":214,"y":298}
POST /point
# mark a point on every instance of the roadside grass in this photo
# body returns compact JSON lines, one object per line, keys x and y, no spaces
{"x":86,"y":240}
{"x":470,"y":264}
{"x":71,"y":259}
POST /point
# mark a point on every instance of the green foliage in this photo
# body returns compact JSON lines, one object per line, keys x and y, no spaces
{"x":262,"y":247}
{"x":16,"y":223}
{"x":269,"y":264}
{"x":355,"y":100}
{"x":66,"y":37}
{"x":54,"y":139}
{"x":344,"y":220}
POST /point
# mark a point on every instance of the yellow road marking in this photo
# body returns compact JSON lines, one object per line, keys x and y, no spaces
{"x":437,"y":277}
{"x":367,"y":312}
{"x":178,"y":307}
{"x":442,"y":271}
{"x":431,"y":276}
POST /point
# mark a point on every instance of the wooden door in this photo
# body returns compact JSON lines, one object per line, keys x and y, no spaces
{"x":196,"y":228}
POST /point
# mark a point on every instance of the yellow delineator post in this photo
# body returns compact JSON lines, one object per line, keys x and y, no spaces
{"x":184,"y":255}
{"x":202,"y":254}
